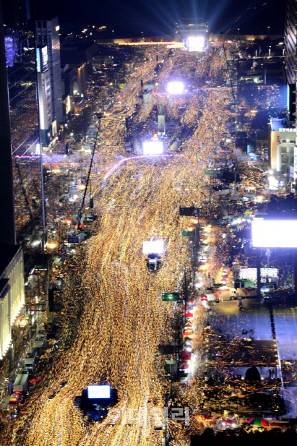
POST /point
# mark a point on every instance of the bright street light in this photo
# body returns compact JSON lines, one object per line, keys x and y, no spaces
{"x":153,"y":247}
{"x":175,"y":87}
{"x":152,"y":147}
{"x":195,"y":43}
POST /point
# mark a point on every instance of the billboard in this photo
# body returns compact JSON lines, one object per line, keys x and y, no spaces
{"x":152,"y":147}
{"x":274,"y":233}
{"x":41,"y":59}
{"x":99,"y":391}
{"x":295,"y":162}
{"x":251,"y":273}
{"x":153,"y":247}
{"x":273,"y":183}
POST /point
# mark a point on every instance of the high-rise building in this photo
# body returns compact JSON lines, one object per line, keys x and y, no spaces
{"x":291,"y":40}
{"x":44,"y":95}
{"x":12,"y":291}
{"x":49,"y":76}
{"x":21,"y":85}
{"x":6,"y":176}
{"x":21,"y":73}
{"x":282,"y":151}
{"x":291,"y":53}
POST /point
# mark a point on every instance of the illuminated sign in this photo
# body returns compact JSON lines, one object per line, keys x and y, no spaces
{"x":176,"y":87}
{"x":170,"y":297}
{"x":38,"y":60}
{"x":11,"y":49}
{"x":295,"y":162}
{"x":68,"y":104}
{"x":153,"y":247}
{"x":274,"y":233}
{"x":251,"y":273}
{"x":273,"y":183}
{"x":54,"y":127}
{"x":152,"y":147}
{"x":99,"y":391}
{"x":41,"y":59}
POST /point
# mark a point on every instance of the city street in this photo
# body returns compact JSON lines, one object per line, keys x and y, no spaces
{"x":113,"y":316}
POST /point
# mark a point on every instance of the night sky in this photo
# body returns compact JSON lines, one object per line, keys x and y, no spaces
{"x":157,"y":17}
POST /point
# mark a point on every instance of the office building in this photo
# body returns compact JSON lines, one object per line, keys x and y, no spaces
{"x":49,"y":77}
{"x":44,"y":96}
{"x":290,"y":54}
{"x":6,"y":176}
{"x":12,"y":291}
{"x":282,"y":148}
{"x":21,"y":126}
{"x":290,"y":40}
{"x":77,"y":57}
{"x":21,"y":75}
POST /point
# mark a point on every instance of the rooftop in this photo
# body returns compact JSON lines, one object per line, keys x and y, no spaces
{"x":7,"y":253}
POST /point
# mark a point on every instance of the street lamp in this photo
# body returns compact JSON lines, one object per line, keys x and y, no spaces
{"x":152,"y":147}
{"x":238,"y":29}
{"x":175,"y":87}
{"x":268,"y":29}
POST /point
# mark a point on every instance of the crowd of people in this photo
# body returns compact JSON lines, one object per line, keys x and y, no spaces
{"x":123,"y":320}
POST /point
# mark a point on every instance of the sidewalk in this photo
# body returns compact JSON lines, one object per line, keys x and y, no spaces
{"x":5,"y":401}
{"x":22,"y":340}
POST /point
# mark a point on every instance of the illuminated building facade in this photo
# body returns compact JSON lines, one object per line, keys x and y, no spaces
{"x":290,"y":53}
{"x":76,"y":60}
{"x":282,"y":147}
{"x":20,"y":124}
{"x":44,"y":95}
{"x":21,"y":75}
{"x":291,"y":40}
{"x":191,"y":28}
{"x":12,"y":291}
{"x":49,"y":68}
